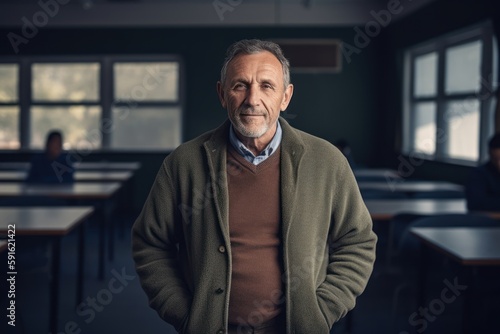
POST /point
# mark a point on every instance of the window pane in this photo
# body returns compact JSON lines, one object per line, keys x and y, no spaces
{"x":9,"y":127}
{"x":424,"y":121}
{"x":9,"y":78}
{"x":425,"y":78}
{"x":146,"y":81}
{"x":462,"y":126}
{"x":65,"y":82}
{"x":463,"y":68}
{"x":80,"y":126}
{"x":146,"y":128}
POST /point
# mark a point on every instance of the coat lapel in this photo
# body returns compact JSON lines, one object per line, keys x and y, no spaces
{"x":216,"y":152}
{"x":292,"y":150}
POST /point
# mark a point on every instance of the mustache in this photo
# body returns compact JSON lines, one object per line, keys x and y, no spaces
{"x":250,"y":111}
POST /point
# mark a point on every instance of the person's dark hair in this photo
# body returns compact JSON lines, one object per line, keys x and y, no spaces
{"x":253,"y":46}
{"x":494,"y":142}
{"x":341,"y":144}
{"x":53,"y":134}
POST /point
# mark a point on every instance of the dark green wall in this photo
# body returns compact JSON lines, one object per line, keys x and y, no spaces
{"x":331,"y":106}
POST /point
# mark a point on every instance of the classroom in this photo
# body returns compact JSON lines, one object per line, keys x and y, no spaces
{"x":382,"y":212}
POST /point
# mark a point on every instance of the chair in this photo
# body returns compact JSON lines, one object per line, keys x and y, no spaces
{"x":397,"y":226}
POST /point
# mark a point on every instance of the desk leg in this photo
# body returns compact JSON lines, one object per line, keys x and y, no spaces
{"x":81,"y":262}
{"x":111,"y":231}
{"x":468,"y":308}
{"x":54,"y":288}
{"x":102,"y":243}
{"x":422,"y":276}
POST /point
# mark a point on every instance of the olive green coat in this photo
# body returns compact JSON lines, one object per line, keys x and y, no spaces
{"x":181,"y":243}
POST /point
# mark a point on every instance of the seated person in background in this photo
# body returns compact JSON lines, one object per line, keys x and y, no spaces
{"x":483,"y":186}
{"x":345,"y":148}
{"x":51,"y":166}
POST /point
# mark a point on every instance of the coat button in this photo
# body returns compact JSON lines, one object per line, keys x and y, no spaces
{"x":222,"y":249}
{"x":219,"y":290}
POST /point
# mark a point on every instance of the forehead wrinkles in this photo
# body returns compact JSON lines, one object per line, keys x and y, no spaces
{"x":259,"y":67}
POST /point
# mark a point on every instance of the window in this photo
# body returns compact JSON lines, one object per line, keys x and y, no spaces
{"x":154,"y":91}
{"x":97,"y":102}
{"x":64,"y":96}
{"x":9,"y":106}
{"x":449,"y":96}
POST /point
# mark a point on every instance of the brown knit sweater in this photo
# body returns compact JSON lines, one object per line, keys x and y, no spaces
{"x":255,"y":232}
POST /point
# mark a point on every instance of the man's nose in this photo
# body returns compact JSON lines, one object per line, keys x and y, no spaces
{"x":253,"y":96}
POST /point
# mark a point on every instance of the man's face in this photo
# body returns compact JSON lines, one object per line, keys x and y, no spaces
{"x":254,"y":94}
{"x":54,"y":147}
{"x":495,"y":158}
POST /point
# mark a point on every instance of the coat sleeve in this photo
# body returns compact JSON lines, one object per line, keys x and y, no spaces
{"x":352,"y":244}
{"x":155,"y":239}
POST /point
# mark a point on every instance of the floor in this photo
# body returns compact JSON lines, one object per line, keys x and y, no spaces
{"x":123,"y":308}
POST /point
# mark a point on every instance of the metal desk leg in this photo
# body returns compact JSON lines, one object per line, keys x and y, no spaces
{"x":81,"y":262}
{"x":102,"y":244}
{"x":54,"y":285}
{"x":109,"y":222}
{"x":422,"y":276}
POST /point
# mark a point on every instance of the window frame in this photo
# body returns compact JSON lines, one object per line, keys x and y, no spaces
{"x":485,"y":95}
{"x":105,"y":101}
{"x":16,"y":61}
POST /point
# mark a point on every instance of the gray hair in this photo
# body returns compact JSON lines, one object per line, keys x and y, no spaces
{"x":253,"y":46}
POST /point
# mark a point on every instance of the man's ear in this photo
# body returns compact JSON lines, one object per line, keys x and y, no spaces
{"x":287,"y":96}
{"x":220,"y":93}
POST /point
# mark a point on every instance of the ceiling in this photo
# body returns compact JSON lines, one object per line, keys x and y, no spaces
{"x":90,"y":13}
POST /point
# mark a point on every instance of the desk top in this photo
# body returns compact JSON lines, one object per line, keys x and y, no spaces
{"x":411,"y":186}
{"x":96,"y":166}
{"x":68,"y":191}
{"x":3,"y":245}
{"x":470,"y":246}
{"x":43,"y":221}
{"x":109,"y":166}
{"x":387,"y":209}
{"x":80,"y":176}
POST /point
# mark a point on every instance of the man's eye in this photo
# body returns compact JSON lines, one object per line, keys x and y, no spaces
{"x":267,"y":86}
{"x":239,"y":87}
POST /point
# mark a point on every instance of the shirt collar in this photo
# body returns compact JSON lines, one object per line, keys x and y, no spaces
{"x":247,"y":154}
